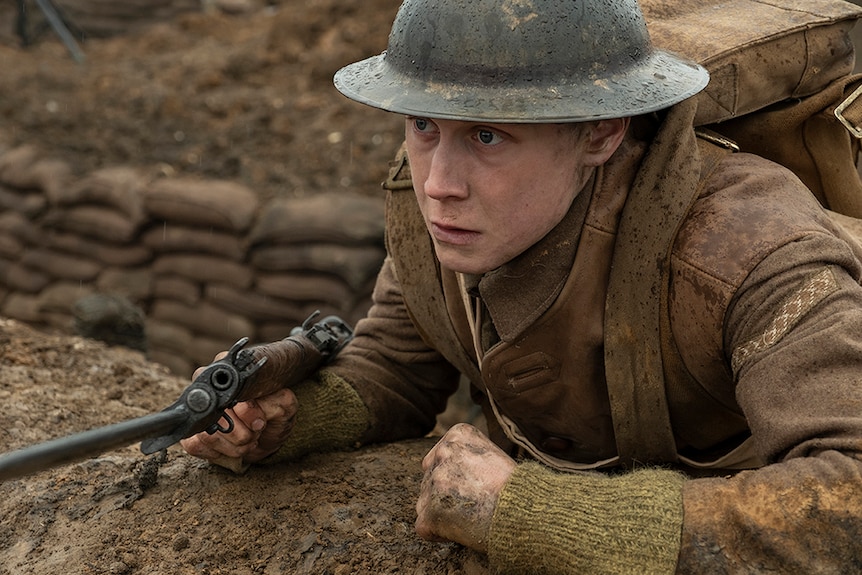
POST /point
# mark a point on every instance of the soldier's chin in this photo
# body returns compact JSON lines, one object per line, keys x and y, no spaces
{"x":457,"y":260}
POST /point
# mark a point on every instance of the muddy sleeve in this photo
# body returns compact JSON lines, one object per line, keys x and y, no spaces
{"x":385,"y":385}
{"x":795,"y":340}
{"x":401,"y":380}
{"x":548,"y":522}
{"x":794,"y":337}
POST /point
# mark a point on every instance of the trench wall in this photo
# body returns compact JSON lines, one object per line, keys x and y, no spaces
{"x":205,"y":261}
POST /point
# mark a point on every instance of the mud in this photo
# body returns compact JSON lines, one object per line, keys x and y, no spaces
{"x":126,"y":513}
{"x":243,"y":95}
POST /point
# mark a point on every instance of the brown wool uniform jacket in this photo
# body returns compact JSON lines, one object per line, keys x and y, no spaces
{"x":765,"y":309}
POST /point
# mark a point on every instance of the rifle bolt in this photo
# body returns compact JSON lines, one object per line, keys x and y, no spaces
{"x":198,"y":400}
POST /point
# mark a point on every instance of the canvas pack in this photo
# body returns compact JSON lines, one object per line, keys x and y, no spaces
{"x":781,"y":85}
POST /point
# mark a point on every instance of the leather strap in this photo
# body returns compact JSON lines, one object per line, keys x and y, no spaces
{"x":637,"y":326}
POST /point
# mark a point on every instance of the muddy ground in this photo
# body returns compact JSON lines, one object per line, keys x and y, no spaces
{"x":245,"y":95}
{"x":126,"y":513}
{"x":238,"y":96}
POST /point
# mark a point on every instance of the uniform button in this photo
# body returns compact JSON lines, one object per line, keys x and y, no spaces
{"x":556,"y":444}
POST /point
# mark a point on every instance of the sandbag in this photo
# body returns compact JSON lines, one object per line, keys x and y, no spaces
{"x":58,"y":265}
{"x":93,"y":221}
{"x":116,"y":187}
{"x":115,"y":255}
{"x":334,"y":218}
{"x":254,"y":305}
{"x":204,"y":269}
{"x":204,"y":319}
{"x":355,"y":264}
{"x":207,"y":203}
{"x":179,"y":238}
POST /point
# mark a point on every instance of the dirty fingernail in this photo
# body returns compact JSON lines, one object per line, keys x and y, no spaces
{"x":258,"y":424}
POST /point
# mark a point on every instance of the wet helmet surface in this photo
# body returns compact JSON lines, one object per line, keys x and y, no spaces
{"x":521,"y":61}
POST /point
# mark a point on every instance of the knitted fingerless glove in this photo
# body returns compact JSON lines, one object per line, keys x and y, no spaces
{"x":552,"y":522}
{"x":331,"y":416}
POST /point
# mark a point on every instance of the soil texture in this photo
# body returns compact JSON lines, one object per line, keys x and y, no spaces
{"x":243,"y":94}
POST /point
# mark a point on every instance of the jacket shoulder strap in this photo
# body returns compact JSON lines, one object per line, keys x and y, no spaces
{"x":637,"y":330}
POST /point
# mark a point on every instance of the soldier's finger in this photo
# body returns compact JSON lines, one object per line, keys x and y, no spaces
{"x":251,"y":414}
{"x":279,"y":405}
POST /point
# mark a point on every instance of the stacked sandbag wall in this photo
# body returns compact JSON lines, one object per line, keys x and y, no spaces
{"x":206,"y":261}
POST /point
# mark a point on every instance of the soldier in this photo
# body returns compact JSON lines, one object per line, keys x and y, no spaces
{"x":549,"y":151}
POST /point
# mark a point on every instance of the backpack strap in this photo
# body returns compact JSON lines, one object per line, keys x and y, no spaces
{"x":639,"y":348}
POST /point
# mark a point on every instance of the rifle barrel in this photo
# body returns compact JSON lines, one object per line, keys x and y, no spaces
{"x":86,"y":444}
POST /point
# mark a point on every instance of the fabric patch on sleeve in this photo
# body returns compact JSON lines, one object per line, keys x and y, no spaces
{"x":791,"y":311}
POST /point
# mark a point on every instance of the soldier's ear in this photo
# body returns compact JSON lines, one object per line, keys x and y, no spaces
{"x":602,"y":139}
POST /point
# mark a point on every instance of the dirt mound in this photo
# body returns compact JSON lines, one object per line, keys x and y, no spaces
{"x":248,"y":98}
{"x":125,"y":513}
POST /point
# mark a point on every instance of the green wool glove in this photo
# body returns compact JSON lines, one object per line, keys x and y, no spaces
{"x":552,"y":522}
{"x":331,"y":416}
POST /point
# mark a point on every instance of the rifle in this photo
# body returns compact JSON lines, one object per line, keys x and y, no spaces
{"x":241,"y":375}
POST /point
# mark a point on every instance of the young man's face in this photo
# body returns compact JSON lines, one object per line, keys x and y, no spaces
{"x":487,"y":192}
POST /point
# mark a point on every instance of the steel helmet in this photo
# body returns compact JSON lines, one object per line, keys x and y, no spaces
{"x":527,"y":61}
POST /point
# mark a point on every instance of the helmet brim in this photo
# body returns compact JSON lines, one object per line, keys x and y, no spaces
{"x":659,"y":82}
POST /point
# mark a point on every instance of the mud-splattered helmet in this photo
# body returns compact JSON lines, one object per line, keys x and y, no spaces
{"x":525,"y":61}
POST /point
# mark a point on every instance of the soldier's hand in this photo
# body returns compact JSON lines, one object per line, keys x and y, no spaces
{"x":260,"y":427}
{"x":464,"y":475}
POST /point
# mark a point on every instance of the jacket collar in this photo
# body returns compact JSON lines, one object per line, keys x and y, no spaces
{"x":521,"y":290}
